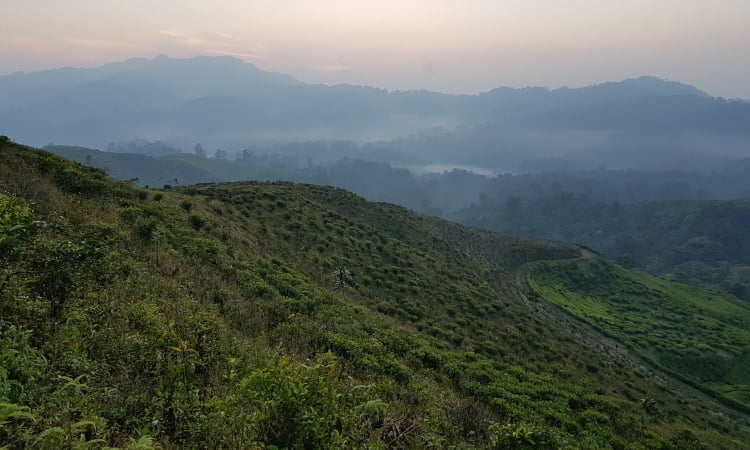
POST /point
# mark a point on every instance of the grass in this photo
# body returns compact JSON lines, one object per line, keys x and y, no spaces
{"x":700,"y":334}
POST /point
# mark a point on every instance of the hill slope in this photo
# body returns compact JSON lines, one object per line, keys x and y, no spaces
{"x":236,"y":315}
{"x":145,"y":170}
{"x":697,"y":335}
{"x":697,"y":242}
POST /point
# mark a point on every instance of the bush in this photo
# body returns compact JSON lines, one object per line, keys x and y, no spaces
{"x":296,"y":406}
{"x":15,"y":224}
{"x":145,"y":228}
{"x":196,"y":222}
{"x":521,"y":436}
{"x":80,"y":181}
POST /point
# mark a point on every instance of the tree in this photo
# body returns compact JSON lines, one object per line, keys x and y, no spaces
{"x":342,"y":279}
{"x":199,"y":150}
{"x":53,"y":268}
{"x":16,"y":228}
{"x":247,"y":155}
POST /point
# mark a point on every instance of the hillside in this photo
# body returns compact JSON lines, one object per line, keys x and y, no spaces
{"x":696,"y":334}
{"x":250,"y":314}
{"x":698,"y":242}
{"x":639,"y":219}
{"x":142,"y":169}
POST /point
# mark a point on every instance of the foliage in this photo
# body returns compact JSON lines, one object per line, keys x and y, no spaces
{"x":698,"y":334}
{"x":16,"y":221}
{"x":520,"y":436}
{"x":292,"y":405}
{"x":125,"y":326}
{"x":697,"y":242}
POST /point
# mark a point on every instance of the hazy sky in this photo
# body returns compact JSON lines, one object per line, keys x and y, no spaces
{"x":445,"y":45}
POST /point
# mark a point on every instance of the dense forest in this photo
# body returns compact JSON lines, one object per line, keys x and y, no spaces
{"x":273,"y":315}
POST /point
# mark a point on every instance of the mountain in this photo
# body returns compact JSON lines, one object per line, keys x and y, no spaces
{"x":245,"y":315}
{"x":160,"y":82}
{"x":225,"y":103}
{"x":537,"y":100}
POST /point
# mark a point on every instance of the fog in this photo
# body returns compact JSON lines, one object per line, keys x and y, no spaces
{"x":596,"y":165}
{"x":224,"y":103}
{"x":233,"y":110}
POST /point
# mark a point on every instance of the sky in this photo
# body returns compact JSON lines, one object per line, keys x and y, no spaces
{"x":454,"y":46}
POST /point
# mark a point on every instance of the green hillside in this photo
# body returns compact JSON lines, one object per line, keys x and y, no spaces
{"x":696,"y":334}
{"x":144,"y":170}
{"x":703,"y":243}
{"x":252,"y":315}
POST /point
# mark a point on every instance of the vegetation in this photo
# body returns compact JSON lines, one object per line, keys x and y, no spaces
{"x":272,"y":315}
{"x":698,"y":334}
{"x":668,"y":223}
{"x":699,"y":242}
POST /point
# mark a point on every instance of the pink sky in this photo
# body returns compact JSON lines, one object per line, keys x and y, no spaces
{"x":445,"y":45}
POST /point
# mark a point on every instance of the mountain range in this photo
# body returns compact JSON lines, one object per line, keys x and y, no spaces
{"x":225,"y":103}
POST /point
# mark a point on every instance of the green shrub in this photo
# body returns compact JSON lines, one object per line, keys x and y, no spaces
{"x":292,"y":405}
{"x":144,"y":228}
{"x":20,"y":365}
{"x":522,"y":436}
{"x":16,"y":224}
{"x":196,"y":222}
{"x":80,"y":182}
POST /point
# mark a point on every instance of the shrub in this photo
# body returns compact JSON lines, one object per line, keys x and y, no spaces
{"x":145,"y":228}
{"x":80,"y":182}
{"x":15,"y":224}
{"x":521,"y":436}
{"x":196,"y":222}
{"x":298,"y":406}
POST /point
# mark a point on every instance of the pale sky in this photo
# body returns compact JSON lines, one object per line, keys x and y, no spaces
{"x":446,"y":45}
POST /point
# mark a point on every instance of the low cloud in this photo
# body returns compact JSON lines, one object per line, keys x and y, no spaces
{"x":332,"y":68}
{"x":217,"y":43}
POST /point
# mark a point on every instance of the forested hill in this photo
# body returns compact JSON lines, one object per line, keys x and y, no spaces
{"x":699,"y":242}
{"x":250,"y":315}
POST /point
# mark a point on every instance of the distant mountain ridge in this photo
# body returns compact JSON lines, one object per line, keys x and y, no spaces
{"x":227,"y":103}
